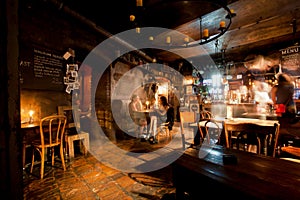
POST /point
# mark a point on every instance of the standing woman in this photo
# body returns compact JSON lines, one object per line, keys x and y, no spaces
{"x":282,"y":93}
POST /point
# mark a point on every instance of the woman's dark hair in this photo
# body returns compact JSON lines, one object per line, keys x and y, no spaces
{"x":164,"y":101}
{"x":284,"y":78}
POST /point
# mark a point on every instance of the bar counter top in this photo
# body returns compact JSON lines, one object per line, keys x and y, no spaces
{"x":249,"y":176}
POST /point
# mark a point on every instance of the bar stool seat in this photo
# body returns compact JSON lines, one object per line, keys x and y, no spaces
{"x":84,"y":137}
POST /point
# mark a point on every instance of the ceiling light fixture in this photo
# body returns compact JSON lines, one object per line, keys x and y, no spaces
{"x":206,"y":35}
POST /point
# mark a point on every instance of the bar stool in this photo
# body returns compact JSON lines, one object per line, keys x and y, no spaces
{"x":71,"y":130}
{"x":83,"y":137}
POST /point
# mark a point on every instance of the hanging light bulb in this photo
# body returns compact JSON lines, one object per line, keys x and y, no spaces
{"x":139,"y":3}
{"x":132,"y":18}
{"x":168,"y":39}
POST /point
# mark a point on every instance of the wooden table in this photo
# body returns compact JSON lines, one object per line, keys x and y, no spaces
{"x":252,"y":177}
{"x":28,"y":131}
{"x":144,"y":114}
{"x":267,"y":116}
{"x":266,"y":129}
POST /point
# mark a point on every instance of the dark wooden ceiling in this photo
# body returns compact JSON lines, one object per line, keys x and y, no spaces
{"x":259,"y":27}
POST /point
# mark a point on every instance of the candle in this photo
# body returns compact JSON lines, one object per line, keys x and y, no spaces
{"x":186,"y":39}
{"x":168,"y":39}
{"x":139,"y":2}
{"x":137,"y":30}
{"x":31,"y":112}
{"x":132,"y":18}
{"x":205,"y":33}
{"x":222,"y":24}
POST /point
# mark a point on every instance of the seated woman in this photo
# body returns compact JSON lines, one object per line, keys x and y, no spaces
{"x":163,"y":114}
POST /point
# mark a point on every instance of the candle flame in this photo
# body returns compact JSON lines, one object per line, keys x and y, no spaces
{"x":31,"y":112}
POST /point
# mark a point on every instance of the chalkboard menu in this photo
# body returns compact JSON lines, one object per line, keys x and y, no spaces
{"x":41,"y":68}
{"x":290,"y":60}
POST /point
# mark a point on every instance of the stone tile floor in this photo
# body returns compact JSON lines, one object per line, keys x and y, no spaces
{"x":88,"y":178}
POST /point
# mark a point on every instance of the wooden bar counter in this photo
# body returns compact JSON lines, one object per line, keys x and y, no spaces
{"x":251,"y":177}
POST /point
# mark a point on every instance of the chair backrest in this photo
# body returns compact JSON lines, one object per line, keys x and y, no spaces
{"x":269,"y":132}
{"x":186,"y":117}
{"x":71,"y":112}
{"x":205,"y":115}
{"x":213,"y":129}
{"x":52,"y":129}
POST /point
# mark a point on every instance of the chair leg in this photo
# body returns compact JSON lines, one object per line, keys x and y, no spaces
{"x":42,"y":162}
{"x":52,"y":156}
{"x":32,"y":161}
{"x":169,"y":137}
{"x":66,"y":149}
{"x":258,"y":146}
{"x":71,"y":147}
{"x":86,"y":143}
{"x":62,"y":157}
{"x":42,"y":154}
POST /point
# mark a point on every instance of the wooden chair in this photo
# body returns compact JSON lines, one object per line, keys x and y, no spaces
{"x":52,"y":130}
{"x":204,"y":116}
{"x":186,"y":118}
{"x":163,"y":132}
{"x":265,"y":136}
{"x":213,"y":129}
{"x":166,"y":127}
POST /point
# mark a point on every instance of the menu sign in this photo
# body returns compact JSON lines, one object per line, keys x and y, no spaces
{"x":41,"y":69}
{"x":290,"y":60}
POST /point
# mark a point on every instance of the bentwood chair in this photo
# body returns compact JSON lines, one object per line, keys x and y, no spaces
{"x":204,"y":117}
{"x":187,"y":118}
{"x":265,"y":137}
{"x":52,"y":130}
{"x":166,"y":127}
{"x":213,"y":129}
